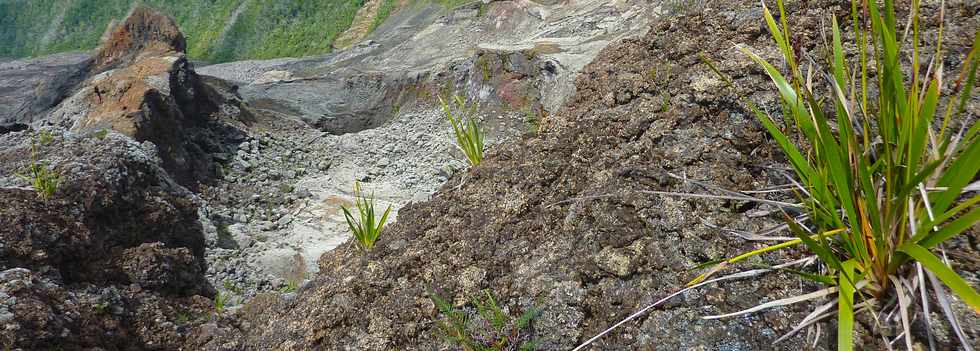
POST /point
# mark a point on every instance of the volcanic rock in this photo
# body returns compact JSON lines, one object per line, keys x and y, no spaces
{"x":148,"y":90}
{"x":112,"y":259}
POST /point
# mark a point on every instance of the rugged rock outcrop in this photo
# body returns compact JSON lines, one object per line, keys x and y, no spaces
{"x":114,"y":259}
{"x":144,"y":87}
{"x":565,"y":221}
{"x":144,"y":32}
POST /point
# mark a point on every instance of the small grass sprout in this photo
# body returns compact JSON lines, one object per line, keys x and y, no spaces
{"x":221,"y":302}
{"x":469,"y":136}
{"x":490,"y":328}
{"x":43,"y":179}
{"x":883,"y":178}
{"x":45,"y":137}
{"x":365,"y":227}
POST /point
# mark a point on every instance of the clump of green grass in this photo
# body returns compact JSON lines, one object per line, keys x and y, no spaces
{"x":220,"y":302}
{"x":291,"y":286}
{"x":484,"y":63}
{"x":532,"y":120}
{"x":489,"y":329}
{"x":469,"y":137}
{"x":889,"y":182}
{"x":45,"y":137}
{"x":44,"y":180}
{"x":364,"y":227}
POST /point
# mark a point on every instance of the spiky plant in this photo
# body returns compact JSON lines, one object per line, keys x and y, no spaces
{"x":43,"y":179}
{"x":489,"y":329}
{"x":365,"y":228}
{"x":885,"y":179}
{"x":469,"y":137}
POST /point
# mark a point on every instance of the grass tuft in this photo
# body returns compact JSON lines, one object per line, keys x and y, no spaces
{"x":220,"y":302}
{"x":883,"y":176}
{"x":469,"y":137}
{"x":44,"y":180}
{"x":364,"y":227}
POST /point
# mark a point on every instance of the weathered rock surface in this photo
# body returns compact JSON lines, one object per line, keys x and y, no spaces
{"x":115,"y":259}
{"x":112,"y":260}
{"x":562,"y":220}
{"x":31,"y":87}
{"x":146,"y":88}
{"x":144,"y":32}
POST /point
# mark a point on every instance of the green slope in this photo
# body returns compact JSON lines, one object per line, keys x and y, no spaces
{"x":262,"y":28}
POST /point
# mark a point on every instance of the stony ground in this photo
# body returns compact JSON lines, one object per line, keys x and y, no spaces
{"x":561,"y":218}
{"x":276,"y":209}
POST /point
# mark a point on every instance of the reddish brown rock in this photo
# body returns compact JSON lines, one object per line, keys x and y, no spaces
{"x":144,"y":32}
{"x":148,"y":90}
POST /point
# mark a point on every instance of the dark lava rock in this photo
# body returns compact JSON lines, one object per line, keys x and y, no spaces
{"x":151,"y":93}
{"x":113,"y":259}
{"x":561,"y":220}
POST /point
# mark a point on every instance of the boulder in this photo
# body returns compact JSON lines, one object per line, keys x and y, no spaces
{"x":112,"y":259}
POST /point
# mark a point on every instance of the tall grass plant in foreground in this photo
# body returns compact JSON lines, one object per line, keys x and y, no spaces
{"x":365,"y":227}
{"x":469,"y":136}
{"x":886,"y":181}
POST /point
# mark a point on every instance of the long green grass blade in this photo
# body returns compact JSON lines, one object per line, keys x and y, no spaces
{"x":956,"y":283}
{"x":952,"y":229}
{"x":845,"y":306}
{"x":818,"y":245}
{"x":960,"y":173}
{"x":924,"y":228}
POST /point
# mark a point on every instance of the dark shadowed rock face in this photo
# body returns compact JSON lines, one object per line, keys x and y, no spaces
{"x":561,"y":221}
{"x":113,"y":259}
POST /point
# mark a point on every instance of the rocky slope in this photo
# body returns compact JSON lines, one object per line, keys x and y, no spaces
{"x":376,"y":108}
{"x":565,"y":220}
{"x":589,"y":106}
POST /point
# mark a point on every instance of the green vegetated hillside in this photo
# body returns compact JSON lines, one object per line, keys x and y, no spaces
{"x":216,"y":30}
